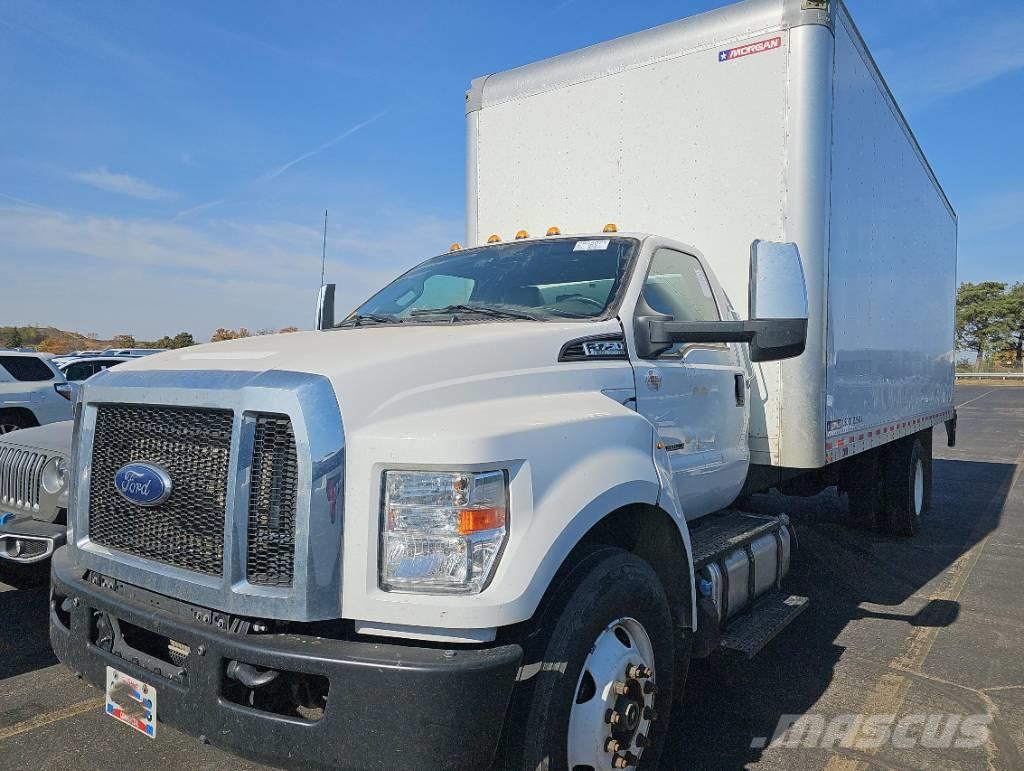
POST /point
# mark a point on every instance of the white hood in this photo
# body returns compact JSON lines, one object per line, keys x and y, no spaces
{"x":383,"y":372}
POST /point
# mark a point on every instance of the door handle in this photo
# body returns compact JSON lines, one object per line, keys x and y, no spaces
{"x":741,"y":388}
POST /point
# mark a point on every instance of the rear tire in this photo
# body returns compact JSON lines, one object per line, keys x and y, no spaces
{"x":908,"y":485}
{"x":609,"y":611}
{"x":12,"y":420}
{"x":862,"y":482}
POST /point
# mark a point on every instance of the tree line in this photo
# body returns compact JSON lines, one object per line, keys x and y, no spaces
{"x":990,"y":322}
{"x":57,"y":341}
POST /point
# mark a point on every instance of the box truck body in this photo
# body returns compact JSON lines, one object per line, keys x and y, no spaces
{"x":767,"y":119}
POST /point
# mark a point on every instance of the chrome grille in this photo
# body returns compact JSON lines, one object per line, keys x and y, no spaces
{"x":20,"y":477}
{"x":194,"y":447}
{"x":270,"y":555}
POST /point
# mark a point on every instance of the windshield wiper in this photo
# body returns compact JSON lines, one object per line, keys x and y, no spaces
{"x":483,"y":310}
{"x":357,"y":319}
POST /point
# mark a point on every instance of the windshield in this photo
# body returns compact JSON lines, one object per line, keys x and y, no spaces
{"x":556,"y":278}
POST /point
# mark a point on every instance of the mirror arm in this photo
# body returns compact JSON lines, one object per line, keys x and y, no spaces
{"x":702,"y":331}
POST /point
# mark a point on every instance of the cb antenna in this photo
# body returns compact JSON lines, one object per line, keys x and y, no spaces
{"x":323,"y":254}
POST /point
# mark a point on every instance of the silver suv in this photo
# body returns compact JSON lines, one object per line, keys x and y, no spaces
{"x":33,"y":392}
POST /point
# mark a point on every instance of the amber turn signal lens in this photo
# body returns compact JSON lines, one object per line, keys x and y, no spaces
{"x":493,"y":238}
{"x":477,"y":520}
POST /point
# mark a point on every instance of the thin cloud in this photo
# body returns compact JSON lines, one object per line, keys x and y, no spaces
{"x":24,"y":202}
{"x":926,"y":71}
{"x":198,"y":208}
{"x":279,"y":170}
{"x":122,"y":184}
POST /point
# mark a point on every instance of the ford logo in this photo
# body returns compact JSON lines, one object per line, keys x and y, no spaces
{"x":144,"y":484}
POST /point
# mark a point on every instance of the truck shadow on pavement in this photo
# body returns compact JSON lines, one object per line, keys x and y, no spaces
{"x":24,"y":621}
{"x":732,"y":706}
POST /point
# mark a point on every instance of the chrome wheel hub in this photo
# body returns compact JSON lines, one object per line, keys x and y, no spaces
{"x":613,"y":707}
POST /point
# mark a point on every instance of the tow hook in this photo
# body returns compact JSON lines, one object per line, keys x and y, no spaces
{"x":249,"y":676}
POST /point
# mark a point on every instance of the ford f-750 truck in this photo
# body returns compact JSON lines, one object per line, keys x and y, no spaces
{"x":494,"y":511}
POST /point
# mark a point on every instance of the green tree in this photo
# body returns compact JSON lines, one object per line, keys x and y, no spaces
{"x":123,"y":341}
{"x":979,"y":316}
{"x":182,"y":340}
{"x":1013,"y":312}
{"x":14,"y":338}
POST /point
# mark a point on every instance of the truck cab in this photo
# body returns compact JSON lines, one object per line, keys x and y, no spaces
{"x":491,"y":511}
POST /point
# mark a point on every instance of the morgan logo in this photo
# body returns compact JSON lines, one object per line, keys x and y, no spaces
{"x":751,"y":48}
{"x":144,"y":484}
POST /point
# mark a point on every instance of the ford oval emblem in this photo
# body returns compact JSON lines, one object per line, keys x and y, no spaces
{"x":144,"y":484}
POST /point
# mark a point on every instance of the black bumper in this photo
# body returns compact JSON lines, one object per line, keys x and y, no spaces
{"x":389,"y":706}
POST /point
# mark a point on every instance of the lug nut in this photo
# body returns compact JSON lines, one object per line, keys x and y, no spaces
{"x":619,"y":688}
{"x":639,"y":672}
{"x":641,"y":741}
{"x":612,"y":717}
{"x":650,"y":713}
{"x":611,"y":745}
{"x":624,"y":761}
{"x":650,"y":688}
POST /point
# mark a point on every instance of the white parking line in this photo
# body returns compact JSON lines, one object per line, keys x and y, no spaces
{"x":975,"y":399}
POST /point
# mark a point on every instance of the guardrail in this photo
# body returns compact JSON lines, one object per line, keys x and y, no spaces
{"x":991,"y":375}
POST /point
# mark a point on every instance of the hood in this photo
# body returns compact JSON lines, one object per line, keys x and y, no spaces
{"x":52,"y":439}
{"x":386,"y":371}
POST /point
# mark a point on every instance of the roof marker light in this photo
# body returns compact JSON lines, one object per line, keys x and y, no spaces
{"x":455,"y":247}
{"x":522,"y":234}
{"x":554,"y":231}
{"x":610,"y":228}
{"x":493,"y":238}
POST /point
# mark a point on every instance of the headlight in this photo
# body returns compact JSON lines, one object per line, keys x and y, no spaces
{"x":442,"y":532}
{"x":54,"y":475}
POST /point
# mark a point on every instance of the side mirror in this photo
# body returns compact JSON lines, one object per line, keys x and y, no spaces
{"x":325,"y":307}
{"x":777,"y":301}
{"x":777,"y":328}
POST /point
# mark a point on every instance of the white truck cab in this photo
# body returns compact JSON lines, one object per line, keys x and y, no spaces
{"x":491,"y":511}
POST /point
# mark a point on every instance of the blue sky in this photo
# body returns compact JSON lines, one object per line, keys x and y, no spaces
{"x":166,"y":166}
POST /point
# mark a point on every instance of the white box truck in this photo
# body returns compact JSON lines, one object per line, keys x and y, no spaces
{"x":491,"y":513}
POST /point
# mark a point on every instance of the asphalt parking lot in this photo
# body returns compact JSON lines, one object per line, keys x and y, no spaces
{"x":920,"y":630}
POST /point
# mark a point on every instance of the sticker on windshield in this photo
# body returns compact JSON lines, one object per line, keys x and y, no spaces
{"x":591,"y":246}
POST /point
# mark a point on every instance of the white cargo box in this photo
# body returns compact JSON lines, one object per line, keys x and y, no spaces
{"x":765,"y":119}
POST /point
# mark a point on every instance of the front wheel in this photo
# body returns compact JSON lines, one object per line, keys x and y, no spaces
{"x":596,"y":689}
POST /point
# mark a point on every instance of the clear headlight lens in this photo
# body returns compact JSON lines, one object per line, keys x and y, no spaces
{"x":442,"y":532}
{"x":54,"y":475}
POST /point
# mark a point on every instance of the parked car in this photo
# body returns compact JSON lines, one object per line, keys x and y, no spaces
{"x":132,"y":351}
{"x":79,"y":370}
{"x":34,"y":491}
{"x":33,"y":391}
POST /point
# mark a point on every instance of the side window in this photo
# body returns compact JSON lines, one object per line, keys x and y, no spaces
{"x":26,"y":369}
{"x":78,"y":371}
{"x":677,"y":285}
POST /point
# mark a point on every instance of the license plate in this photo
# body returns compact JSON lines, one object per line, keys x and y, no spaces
{"x":131,"y":701}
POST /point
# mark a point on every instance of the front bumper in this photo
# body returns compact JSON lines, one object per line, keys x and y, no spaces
{"x":388,"y":706}
{"x":25,"y":540}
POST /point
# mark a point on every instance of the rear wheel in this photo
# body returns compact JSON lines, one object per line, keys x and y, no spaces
{"x":596,"y":688}
{"x":908,"y":485}
{"x":862,"y":482}
{"x":11,"y":420}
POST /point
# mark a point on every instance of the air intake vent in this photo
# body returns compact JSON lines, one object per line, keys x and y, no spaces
{"x":270,"y":556}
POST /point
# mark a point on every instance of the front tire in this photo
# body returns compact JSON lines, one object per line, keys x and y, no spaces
{"x":598,"y":671}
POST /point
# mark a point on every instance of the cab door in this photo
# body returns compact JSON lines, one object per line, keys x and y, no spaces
{"x":695,"y":394}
